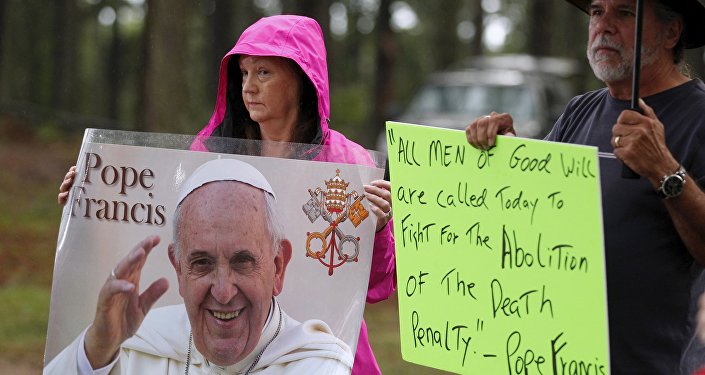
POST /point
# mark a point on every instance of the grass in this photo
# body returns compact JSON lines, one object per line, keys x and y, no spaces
{"x":31,"y":169}
{"x":30,"y":172}
{"x":23,"y":322}
{"x":383,"y":327}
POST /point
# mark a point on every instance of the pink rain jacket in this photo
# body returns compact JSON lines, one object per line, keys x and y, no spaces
{"x":301,"y":39}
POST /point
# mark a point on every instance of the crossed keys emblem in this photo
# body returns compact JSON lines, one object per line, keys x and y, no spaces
{"x":335,"y":206}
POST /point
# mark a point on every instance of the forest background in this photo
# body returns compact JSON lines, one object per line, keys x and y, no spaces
{"x":152,"y":65}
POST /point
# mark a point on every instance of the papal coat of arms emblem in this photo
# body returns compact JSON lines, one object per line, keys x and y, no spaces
{"x":335,"y":205}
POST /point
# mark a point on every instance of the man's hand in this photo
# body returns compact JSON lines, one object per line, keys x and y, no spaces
{"x":639,"y":141}
{"x":121,"y":308}
{"x":482,"y":132}
{"x":378,"y":192}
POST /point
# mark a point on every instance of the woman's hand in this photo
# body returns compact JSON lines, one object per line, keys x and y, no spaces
{"x":66,"y":186}
{"x":379,"y":193}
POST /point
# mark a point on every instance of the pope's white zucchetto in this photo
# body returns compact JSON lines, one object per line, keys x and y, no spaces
{"x":224,"y":170}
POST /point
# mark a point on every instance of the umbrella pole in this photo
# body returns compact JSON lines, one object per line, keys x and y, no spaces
{"x":636,"y":73}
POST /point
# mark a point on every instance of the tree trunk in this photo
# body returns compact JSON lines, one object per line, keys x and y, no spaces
{"x":246,"y":13}
{"x":317,"y":10}
{"x":165,"y":92}
{"x":540,"y":26}
{"x":478,"y":20}
{"x":66,"y":50}
{"x":444,"y":41}
{"x":384,"y":74}
{"x":113,"y":72}
{"x":350,"y":69}
{"x":38,"y":93}
{"x":222,"y":39}
{"x":3,"y":32}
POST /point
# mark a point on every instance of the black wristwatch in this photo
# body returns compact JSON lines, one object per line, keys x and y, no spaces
{"x":672,"y":185}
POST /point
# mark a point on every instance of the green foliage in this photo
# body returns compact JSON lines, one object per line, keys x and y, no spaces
{"x":349,"y":109}
{"x":48,"y":132}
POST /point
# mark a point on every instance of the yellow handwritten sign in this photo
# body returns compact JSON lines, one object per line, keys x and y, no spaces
{"x":500,"y":260}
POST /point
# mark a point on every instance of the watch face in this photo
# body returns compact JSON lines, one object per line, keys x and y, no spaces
{"x":673,"y":186}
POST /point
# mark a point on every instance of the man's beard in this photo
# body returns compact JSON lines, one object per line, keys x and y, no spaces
{"x":622,"y":70}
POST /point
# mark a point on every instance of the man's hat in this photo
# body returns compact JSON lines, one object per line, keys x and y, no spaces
{"x":692,"y":11}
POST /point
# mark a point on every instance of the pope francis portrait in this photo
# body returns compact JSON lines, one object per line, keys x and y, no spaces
{"x":230,"y":257}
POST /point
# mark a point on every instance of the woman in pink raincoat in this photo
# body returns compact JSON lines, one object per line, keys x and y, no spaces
{"x":273,"y":86}
{"x":270,"y":109}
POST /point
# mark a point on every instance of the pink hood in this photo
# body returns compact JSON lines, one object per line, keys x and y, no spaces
{"x":294,"y":37}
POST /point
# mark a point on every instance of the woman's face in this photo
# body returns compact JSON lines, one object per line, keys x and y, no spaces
{"x":270,"y":91}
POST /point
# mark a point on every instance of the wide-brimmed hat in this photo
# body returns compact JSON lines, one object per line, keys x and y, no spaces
{"x":693,"y":12}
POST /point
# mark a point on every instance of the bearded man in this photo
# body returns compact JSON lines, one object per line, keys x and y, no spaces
{"x":654,"y":226}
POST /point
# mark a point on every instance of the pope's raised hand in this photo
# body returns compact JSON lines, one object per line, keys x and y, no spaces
{"x":121,"y":309}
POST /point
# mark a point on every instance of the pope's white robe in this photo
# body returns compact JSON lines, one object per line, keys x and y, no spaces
{"x":160,"y":346}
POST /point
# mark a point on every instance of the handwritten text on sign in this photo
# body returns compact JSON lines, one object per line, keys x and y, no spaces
{"x":499,"y":254}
